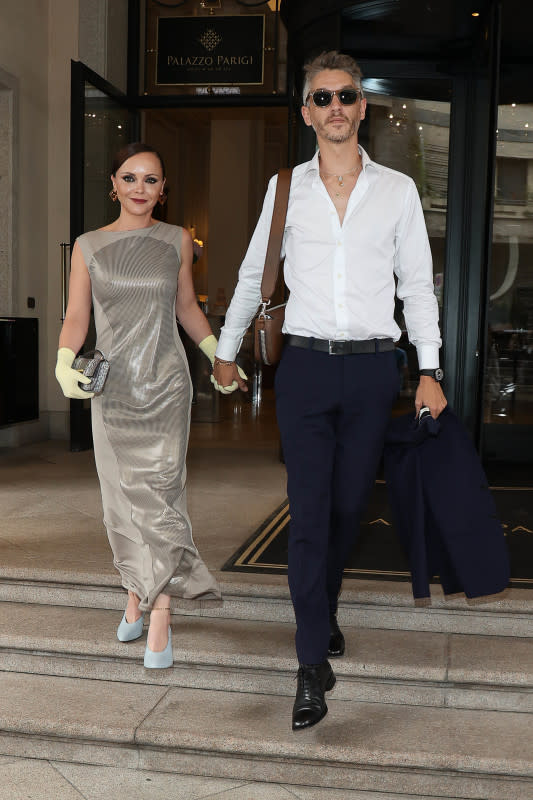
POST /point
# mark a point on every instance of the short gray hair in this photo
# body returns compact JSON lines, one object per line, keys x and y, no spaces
{"x":331,"y":59}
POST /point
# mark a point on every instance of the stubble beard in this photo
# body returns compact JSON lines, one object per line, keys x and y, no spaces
{"x":336,"y":137}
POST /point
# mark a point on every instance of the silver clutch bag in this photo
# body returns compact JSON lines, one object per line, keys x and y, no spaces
{"x":93,"y":365}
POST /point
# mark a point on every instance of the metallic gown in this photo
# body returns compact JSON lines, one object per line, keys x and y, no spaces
{"x":141,"y":420}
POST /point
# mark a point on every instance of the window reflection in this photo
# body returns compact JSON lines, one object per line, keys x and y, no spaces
{"x":412,"y":136}
{"x":108,"y":127}
{"x":509,"y":370}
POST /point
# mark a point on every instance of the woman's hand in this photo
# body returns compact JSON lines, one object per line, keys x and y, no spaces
{"x":68,"y":378}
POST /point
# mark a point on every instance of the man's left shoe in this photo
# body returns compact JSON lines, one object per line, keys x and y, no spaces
{"x":310,"y":703}
{"x":336,"y":638}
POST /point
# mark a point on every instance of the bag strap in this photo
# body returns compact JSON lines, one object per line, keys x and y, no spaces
{"x":275,"y":239}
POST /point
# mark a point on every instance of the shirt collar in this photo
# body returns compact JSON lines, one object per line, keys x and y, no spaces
{"x":367,"y":161}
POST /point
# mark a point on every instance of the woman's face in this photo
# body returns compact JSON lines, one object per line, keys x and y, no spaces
{"x":139,"y":183}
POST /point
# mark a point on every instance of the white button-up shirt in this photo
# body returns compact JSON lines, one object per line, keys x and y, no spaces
{"x":341,"y":277}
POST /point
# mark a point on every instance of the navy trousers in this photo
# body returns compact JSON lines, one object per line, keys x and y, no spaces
{"x":332,"y":413}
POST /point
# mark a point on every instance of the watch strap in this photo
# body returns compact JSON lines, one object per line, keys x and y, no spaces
{"x":437,"y":374}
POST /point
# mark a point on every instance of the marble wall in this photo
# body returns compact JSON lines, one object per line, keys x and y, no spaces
{"x":103,"y":39}
{"x":7,"y":199}
{"x":37,"y":40}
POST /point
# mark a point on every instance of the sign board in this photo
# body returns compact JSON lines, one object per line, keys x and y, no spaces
{"x":210,"y":50}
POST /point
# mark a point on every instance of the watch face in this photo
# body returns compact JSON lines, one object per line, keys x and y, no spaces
{"x":439,"y":374}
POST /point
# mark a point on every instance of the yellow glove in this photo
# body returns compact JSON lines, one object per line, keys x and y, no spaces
{"x":69,"y":378}
{"x":208,"y":346}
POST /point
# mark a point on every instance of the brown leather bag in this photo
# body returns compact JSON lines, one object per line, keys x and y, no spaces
{"x":268,"y":337}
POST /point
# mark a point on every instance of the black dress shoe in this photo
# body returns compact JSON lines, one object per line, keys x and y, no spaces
{"x":336,"y":638}
{"x":310,"y":704}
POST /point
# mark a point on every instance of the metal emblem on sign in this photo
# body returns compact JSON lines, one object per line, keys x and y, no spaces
{"x":210,"y":39}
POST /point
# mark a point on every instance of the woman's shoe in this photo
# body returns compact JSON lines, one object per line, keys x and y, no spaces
{"x":128,"y":631}
{"x":159,"y":660}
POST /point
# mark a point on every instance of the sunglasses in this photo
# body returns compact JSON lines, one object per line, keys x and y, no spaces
{"x":323,"y":97}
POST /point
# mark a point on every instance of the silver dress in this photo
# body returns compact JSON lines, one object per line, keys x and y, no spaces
{"x":141,"y":420}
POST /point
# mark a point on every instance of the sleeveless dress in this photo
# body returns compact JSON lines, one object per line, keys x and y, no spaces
{"x":141,"y":420}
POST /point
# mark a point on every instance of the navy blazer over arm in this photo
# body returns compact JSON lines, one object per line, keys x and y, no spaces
{"x":442,"y":507}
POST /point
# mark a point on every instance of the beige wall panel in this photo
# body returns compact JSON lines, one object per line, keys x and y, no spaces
{"x":24,"y":55}
{"x":63,"y":46}
{"x":103,"y":39}
{"x":37,"y":40}
{"x":231,"y":142}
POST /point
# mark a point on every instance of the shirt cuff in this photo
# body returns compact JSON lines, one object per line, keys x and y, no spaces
{"x":428,"y":356}
{"x":228,"y":346}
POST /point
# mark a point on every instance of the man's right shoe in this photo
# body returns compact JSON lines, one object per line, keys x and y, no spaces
{"x":310,"y":703}
{"x":336,"y":638}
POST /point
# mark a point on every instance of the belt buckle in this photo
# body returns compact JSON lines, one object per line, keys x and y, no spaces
{"x":335,"y":347}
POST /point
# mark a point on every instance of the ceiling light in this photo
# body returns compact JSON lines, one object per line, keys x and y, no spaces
{"x":475,"y":13}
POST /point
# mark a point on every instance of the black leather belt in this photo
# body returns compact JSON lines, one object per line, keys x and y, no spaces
{"x":340,"y":347}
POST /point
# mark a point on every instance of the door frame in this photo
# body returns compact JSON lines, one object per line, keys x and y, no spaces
{"x":80,"y":75}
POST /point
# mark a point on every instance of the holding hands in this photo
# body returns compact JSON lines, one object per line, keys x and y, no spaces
{"x":227,"y":376}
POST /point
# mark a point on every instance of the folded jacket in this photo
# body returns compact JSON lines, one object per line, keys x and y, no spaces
{"x":442,"y":507}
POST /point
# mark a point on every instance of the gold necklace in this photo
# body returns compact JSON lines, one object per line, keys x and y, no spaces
{"x":340,"y":178}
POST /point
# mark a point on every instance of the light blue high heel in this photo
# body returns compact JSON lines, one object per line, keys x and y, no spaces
{"x":161,"y":660}
{"x":128,"y":631}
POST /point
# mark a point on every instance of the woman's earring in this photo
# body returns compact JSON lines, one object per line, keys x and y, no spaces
{"x":162,"y":198}
{"x":113,"y":195}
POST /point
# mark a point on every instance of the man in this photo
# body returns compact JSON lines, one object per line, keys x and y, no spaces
{"x":352,"y":225}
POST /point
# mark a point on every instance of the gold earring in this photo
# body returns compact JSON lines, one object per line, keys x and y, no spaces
{"x":162,"y":198}
{"x":113,"y":195}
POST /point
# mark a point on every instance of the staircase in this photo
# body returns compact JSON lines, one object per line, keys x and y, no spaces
{"x":429,"y":703}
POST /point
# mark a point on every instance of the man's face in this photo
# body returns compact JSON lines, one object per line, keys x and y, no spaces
{"x":335,"y":123}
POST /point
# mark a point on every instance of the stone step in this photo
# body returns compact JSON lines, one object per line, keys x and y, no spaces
{"x":366,"y":604}
{"x":369,"y":747}
{"x":380,"y":666}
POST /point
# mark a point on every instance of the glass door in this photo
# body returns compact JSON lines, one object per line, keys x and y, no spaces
{"x":407,"y":128}
{"x":101,"y":123}
{"x":508,"y":374}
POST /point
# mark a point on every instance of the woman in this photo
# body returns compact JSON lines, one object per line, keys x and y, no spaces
{"x":138,"y":273}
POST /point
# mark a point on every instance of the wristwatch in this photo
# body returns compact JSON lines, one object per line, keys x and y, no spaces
{"x":437,"y":374}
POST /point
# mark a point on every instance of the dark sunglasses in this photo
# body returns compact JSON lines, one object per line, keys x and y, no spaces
{"x":323,"y":97}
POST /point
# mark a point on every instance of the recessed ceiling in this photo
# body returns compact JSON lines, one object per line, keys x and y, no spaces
{"x":417,"y":24}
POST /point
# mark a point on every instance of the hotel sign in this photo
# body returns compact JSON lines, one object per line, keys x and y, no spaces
{"x":210,"y":50}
